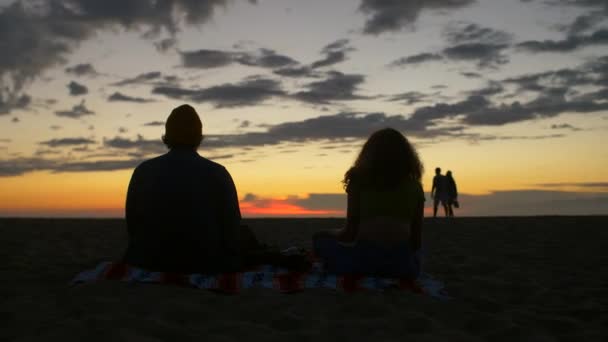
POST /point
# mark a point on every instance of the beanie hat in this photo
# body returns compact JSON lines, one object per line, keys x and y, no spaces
{"x":183,"y":127}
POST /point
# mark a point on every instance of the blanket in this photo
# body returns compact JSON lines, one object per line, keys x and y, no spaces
{"x":264,"y":276}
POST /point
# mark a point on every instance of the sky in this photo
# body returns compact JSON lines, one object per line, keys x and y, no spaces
{"x":511,"y":96}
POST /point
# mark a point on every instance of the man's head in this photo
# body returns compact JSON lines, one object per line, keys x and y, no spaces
{"x":183,"y":128}
{"x":438,"y":171}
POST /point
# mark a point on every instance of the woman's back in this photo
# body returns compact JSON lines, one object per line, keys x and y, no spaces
{"x":386,"y":214}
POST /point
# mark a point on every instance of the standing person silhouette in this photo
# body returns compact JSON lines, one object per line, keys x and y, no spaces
{"x":452,"y":193}
{"x":385,"y":207}
{"x":182,"y":209}
{"x":439,"y":192}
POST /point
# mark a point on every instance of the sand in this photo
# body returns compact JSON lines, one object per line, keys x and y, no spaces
{"x":512,"y":279}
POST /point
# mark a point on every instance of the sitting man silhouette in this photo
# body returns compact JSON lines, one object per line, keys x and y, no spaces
{"x":182,"y":210}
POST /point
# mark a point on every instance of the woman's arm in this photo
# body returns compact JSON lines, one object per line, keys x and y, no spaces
{"x":349,"y":232}
{"x":416,"y":227}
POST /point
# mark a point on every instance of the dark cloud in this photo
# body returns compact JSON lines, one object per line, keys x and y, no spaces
{"x":302,"y":71}
{"x":485,"y":54}
{"x":165,"y":45}
{"x":592,"y":73}
{"x":542,"y":107}
{"x":336,"y":87}
{"x":207,"y":59}
{"x":76,"y":112}
{"x":120,"y":97}
{"x":154,"y":123}
{"x":394,"y":15}
{"x":81,"y":70}
{"x":77,"y":89}
{"x":250,"y":92}
{"x":576,"y":184}
{"x":468,"y":42}
{"x":67,"y":142}
{"x":140,"y":144}
{"x":10,"y":102}
{"x":571,"y":43}
{"x":462,"y":33}
{"x":565,"y":126}
{"x":492,"y":88}
{"x":413,"y":97}
{"x":47,"y":32}
{"x":141,"y":79}
{"x":265,"y":58}
{"x":416,"y":59}
{"x":533,"y":202}
{"x":335,"y":53}
{"x":471,"y":74}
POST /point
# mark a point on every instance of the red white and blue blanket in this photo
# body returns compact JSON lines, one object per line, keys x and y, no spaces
{"x":265,"y":276}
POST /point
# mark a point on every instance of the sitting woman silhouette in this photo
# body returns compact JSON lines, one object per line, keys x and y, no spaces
{"x":385,"y":208}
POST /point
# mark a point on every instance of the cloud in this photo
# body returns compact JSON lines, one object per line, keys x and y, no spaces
{"x":77,"y":89}
{"x":485,"y":54}
{"x":249,"y":92}
{"x":141,"y":78}
{"x":140,"y":144}
{"x":165,"y":45}
{"x":48,"y":32}
{"x":76,"y":112}
{"x":67,"y":142}
{"x":542,"y":107}
{"x":416,"y":59}
{"x":207,"y":59}
{"x":11,"y":101}
{"x":154,"y":123}
{"x":462,"y":32}
{"x":571,"y":43}
{"x":265,"y":58}
{"x":413,"y":97}
{"x":300,"y":71}
{"x":335,"y":52}
{"x":336,"y":87}
{"x":120,"y":97}
{"x":565,"y":126}
{"x":533,"y":203}
{"x":391,"y":16}
{"x":575,"y":184}
{"x":468,"y":42}
{"x":318,"y":205}
{"x":82,"y":70}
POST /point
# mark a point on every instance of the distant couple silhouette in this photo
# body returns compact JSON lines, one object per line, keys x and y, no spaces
{"x":444,"y":191}
{"x":183,"y":215}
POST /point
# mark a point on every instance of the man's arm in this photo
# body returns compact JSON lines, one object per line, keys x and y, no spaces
{"x":434,"y":187}
{"x":231,"y":215}
{"x":131,"y":203}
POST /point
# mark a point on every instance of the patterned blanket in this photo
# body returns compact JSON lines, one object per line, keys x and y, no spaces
{"x":265,"y":276}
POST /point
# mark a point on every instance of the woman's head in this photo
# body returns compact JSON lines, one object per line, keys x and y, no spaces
{"x":386,"y":158}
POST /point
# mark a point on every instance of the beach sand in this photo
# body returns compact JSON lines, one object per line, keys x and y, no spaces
{"x":511,"y":279}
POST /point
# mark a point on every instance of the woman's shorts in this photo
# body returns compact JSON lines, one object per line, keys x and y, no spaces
{"x":367,"y":258}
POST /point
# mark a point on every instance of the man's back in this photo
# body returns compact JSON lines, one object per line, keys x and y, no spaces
{"x":440,"y":185}
{"x":182,"y":215}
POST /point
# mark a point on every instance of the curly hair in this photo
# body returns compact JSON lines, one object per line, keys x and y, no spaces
{"x":386,"y":159}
